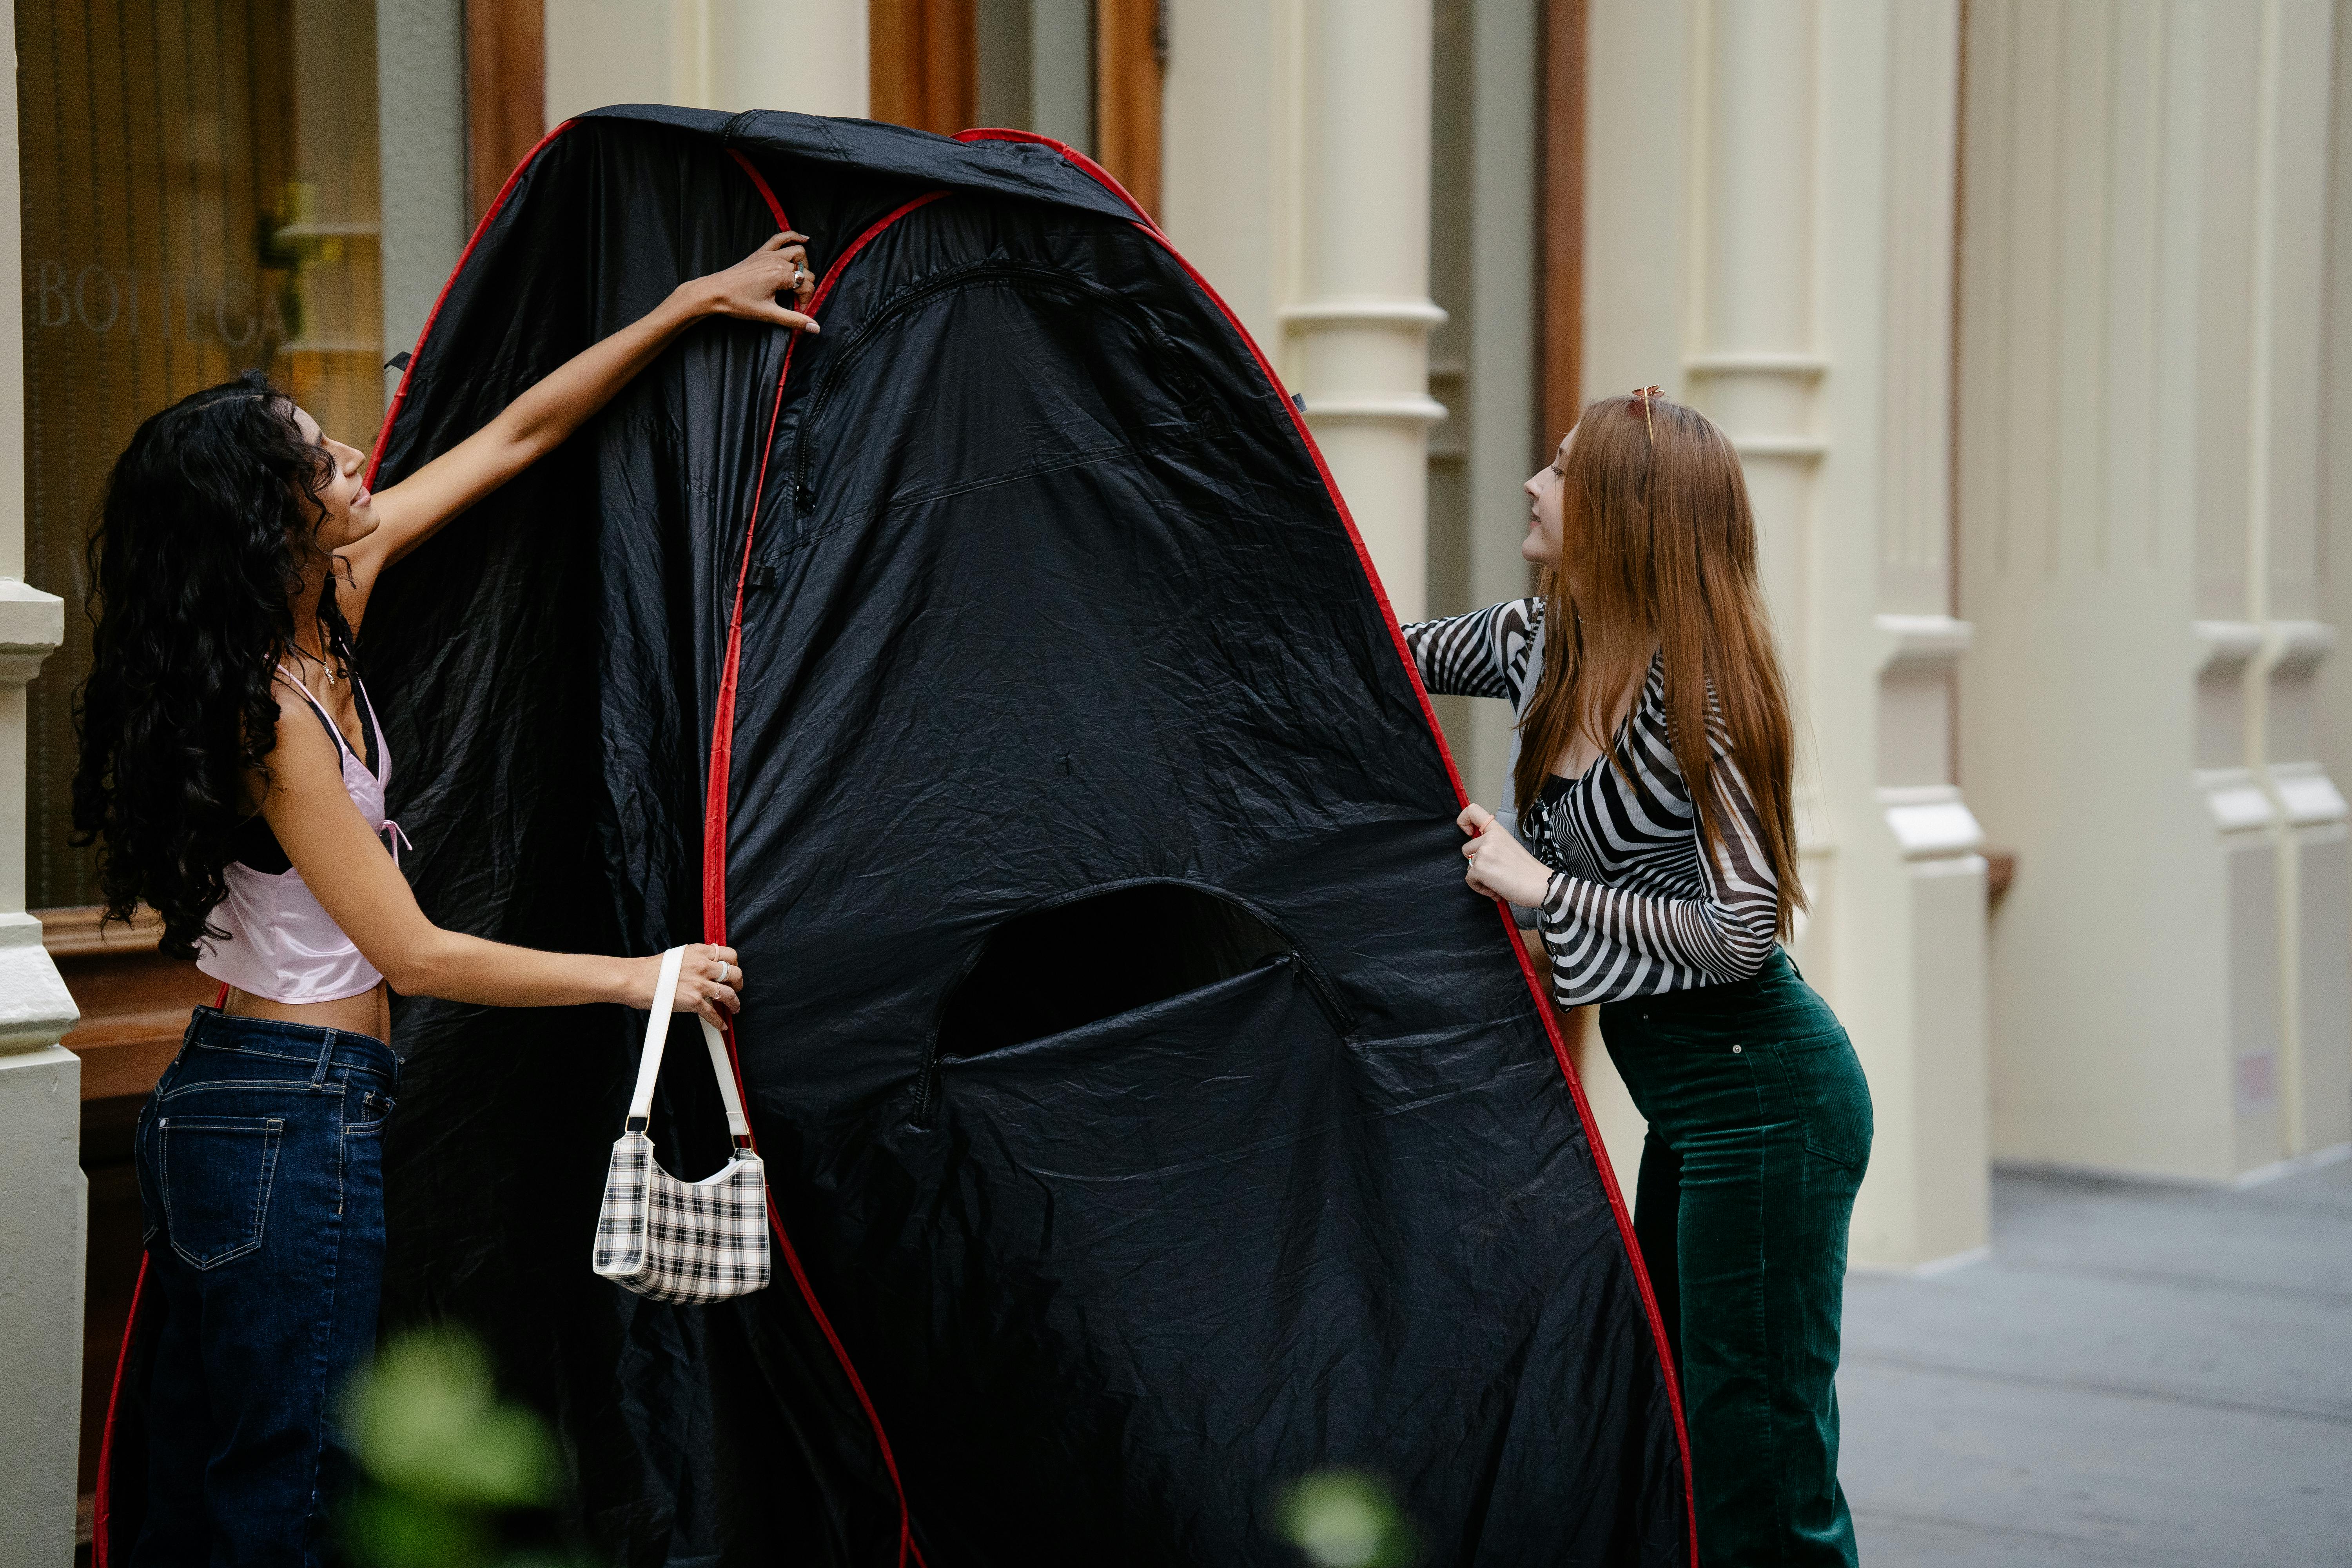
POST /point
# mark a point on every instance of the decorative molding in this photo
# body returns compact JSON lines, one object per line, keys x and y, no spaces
{"x":1931,"y":821}
{"x":36,"y":1008}
{"x":1922,"y":643}
{"x":1804,"y":448}
{"x":32,"y":625}
{"x":1396,"y":313}
{"x":1795,"y":366}
{"x":1406,"y":409}
{"x":2236,"y":799}
{"x":2295,"y":647}
{"x":2306,"y":795}
{"x":2225,"y":644}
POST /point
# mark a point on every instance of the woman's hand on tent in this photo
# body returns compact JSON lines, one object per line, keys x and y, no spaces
{"x":709,"y":982}
{"x":544,"y":418}
{"x":748,"y":290}
{"x":1501,"y":865}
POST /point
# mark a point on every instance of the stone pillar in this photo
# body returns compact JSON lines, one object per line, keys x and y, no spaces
{"x":708,"y":54}
{"x":2141,"y":332}
{"x":1769,"y":235}
{"x":1359,"y":315}
{"x":1296,"y":178}
{"x":43,"y":1199}
{"x":2331,"y":684}
{"x":809,"y":57}
{"x":2292,"y":105}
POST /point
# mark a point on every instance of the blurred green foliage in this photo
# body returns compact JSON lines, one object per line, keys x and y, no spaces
{"x":446,"y":1464}
{"x":1342,"y":1518}
{"x":443,"y":1458}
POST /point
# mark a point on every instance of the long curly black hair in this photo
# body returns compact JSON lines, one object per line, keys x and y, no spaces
{"x":210,"y":519}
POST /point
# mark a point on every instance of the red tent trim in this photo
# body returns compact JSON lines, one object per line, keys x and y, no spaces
{"x":714,"y":832}
{"x":1396,"y":632}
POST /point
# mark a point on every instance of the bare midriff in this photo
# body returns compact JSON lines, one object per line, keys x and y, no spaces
{"x":368,"y":1012}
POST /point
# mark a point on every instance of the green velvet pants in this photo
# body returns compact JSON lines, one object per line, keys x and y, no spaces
{"x":1760,"y":1129}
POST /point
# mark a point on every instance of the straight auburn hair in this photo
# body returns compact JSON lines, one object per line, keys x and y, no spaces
{"x":1653,"y":512}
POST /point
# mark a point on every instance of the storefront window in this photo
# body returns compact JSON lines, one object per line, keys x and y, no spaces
{"x":201,"y":195}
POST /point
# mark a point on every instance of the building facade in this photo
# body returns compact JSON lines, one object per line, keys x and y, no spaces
{"x":2031,"y":322}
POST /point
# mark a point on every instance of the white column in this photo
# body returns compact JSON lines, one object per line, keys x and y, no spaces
{"x":2293,"y":128}
{"x":2141,"y":370}
{"x":1360,"y":314}
{"x":1295,"y":176}
{"x":1228,"y":151}
{"x":1768,"y":235}
{"x":2331,"y":691}
{"x":810,"y":57}
{"x":618,"y":51}
{"x":43,"y":1199}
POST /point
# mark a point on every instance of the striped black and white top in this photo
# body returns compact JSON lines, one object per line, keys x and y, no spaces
{"x":1634,"y":908}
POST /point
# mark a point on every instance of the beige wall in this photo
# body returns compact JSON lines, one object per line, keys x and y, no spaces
{"x":2140,"y":325}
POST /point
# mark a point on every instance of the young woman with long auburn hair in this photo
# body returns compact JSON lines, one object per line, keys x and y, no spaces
{"x":1652,"y":783}
{"x":233,"y":775}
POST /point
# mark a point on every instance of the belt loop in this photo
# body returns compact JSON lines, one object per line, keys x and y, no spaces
{"x":326,"y":1060}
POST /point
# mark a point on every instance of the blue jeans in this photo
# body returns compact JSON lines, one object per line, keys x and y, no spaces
{"x":260,"y":1172}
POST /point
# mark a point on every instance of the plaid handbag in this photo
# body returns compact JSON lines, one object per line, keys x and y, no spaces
{"x":683,"y":1241}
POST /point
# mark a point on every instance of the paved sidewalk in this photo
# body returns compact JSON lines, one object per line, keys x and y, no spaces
{"x":2141,"y":1376}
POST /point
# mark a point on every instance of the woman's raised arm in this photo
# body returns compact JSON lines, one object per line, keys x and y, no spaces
{"x":535,"y":424}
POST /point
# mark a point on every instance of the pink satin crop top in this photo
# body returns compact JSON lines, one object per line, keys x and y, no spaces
{"x":279,"y":943}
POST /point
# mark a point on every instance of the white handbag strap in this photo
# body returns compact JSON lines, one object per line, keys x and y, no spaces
{"x":650,"y":1060}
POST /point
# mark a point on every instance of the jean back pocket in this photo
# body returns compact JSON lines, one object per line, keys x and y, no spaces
{"x":216,"y":1174}
{"x":1831,"y":1096}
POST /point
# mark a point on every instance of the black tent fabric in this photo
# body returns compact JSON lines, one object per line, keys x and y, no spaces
{"x":1151,"y":1115}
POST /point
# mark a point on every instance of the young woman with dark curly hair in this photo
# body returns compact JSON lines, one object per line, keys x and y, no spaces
{"x":1653,"y":783}
{"x":233,"y":775}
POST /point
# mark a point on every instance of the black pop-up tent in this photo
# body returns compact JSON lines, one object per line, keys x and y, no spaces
{"x":1151,"y":1115}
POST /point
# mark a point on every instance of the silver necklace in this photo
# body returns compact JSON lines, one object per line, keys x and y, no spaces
{"x":305,"y":655}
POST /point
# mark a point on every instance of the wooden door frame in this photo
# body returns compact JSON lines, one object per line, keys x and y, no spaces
{"x":922,"y":64}
{"x":1560,"y":230}
{"x":922,"y":69}
{"x":1130,"y":67}
{"x":506,"y":93}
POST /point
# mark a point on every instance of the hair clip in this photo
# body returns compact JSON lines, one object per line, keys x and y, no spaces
{"x":1646,"y":394}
